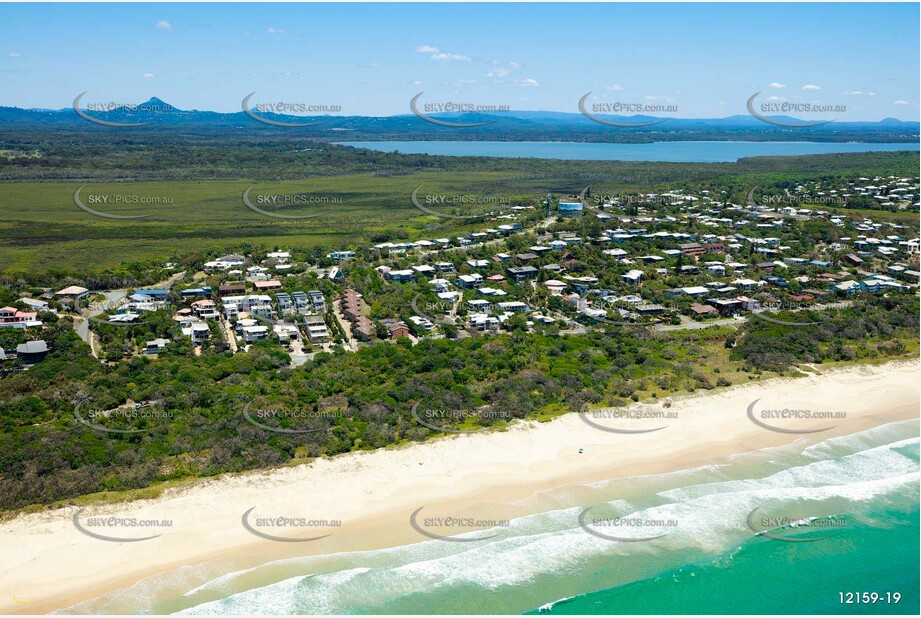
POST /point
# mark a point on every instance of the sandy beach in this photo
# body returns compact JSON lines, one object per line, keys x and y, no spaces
{"x":49,"y":563}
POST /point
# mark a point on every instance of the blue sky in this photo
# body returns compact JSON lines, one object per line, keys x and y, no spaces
{"x":371,"y":59}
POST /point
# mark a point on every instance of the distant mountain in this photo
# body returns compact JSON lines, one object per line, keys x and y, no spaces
{"x":156,"y":113}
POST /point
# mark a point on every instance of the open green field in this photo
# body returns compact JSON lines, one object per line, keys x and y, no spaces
{"x":44,"y":230}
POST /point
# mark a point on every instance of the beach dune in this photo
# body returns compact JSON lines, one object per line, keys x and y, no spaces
{"x":59,"y":557}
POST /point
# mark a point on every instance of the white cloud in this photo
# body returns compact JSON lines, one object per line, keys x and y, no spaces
{"x":15,"y":55}
{"x":450,"y":57}
{"x":776,"y":98}
{"x":502,"y":69}
{"x":274,"y":30}
{"x":437,"y":54}
{"x":900,"y":102}
{"x":164,"y":25}
{"x":811,"y":87}
{"x":527,"y":82}
{"x":463,"y":82}
{"x":417,"y":82}
{"x":855,"y":92}
{"x":148,"y":75}
{"x":247,"y":33}
{"x":614,"y":87}
{"x":777,"y":85}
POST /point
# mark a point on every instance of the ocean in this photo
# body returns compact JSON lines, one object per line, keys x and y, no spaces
{"x":781,"y":530}
{"x":676,"y":152}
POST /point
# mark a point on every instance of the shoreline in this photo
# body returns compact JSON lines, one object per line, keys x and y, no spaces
{"x":374,"y":492}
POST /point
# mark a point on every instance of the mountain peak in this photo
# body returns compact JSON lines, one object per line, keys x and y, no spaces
{"x":156,"y":104}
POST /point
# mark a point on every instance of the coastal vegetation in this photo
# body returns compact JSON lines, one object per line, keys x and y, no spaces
{"x":364,"y":400}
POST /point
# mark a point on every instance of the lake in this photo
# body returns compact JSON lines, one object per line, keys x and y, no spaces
{"x":678,"y":152}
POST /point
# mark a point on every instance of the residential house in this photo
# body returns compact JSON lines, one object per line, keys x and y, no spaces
{"x":231,"y":289}
{"x":35,"y":304}
{"x":316,"y":329}
{"x":469,"y":281}
{"x":555,"y":287}
{"x":400,"y":276}
{"x":632,"y":276}
{"x":197,"y":331}
{"x":155,"y":345}
{"x":514,"y":306}
{"x":317,"y":301}
{"x":71,"y":293}
{"x":263,"y":286}
{"x":396,"y":328}
{"x":205,"y":309}
{"x":522,"y":273}
{"x":285,"y":306}
{"x":695,"y":291}
{"x":703,"y":310}
{"x":195,"y":292}
{"x":302,"y":302}
{"x":10,"y":317}
{"x":286,"y":332}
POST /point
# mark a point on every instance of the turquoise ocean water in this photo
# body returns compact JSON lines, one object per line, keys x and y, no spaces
{"x":707,"y":557}
{"x":768,"y":577}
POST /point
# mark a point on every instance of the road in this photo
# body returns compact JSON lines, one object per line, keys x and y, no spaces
{"x":82,"y":325}
{"x":351,"y":344}
{"x":112,"y":299}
